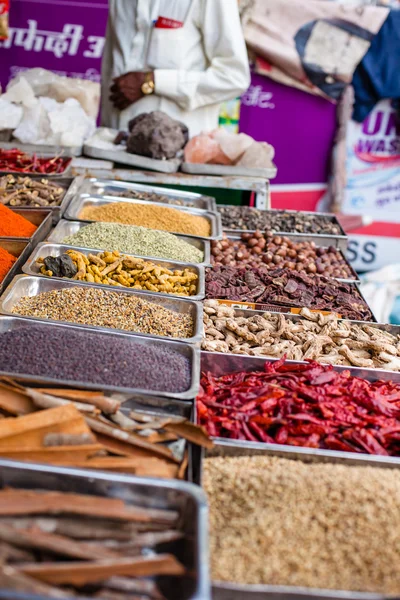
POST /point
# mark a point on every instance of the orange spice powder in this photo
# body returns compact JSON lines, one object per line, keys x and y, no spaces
{"x":13,"y":225}
{"x":6,"y":262}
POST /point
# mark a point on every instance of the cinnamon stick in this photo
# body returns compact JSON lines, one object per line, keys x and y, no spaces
{"x":81,"y":528}
{"x":28,"y":431}
{"x":129,"y":438}
{"x":39,"y":540}
{"x":55,"y":455}
{"x":105,"y":404}
{"x":47,"y":401}
{"x":14,"y":401}
{"x":30,"y":502}
{"x":191,"y":432}
{"x":9,"y":553}
{"x":13,"y":579}
{"x":151,"y":467}
{"x":80,"y":574}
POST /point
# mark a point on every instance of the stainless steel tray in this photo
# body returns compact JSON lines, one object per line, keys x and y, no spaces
{"x":226,"y":170}
{"x":66,"y":228}
{"x":248,"y":312}
{"x":188,"y":499}
{"x":189,"y":351}
{"x":19,"y":249}
{"x":43,"y":250}
{"x":41,"y":217}
{"x":70,"y":184}
{"x":231,"y":591}
{"x":81,"y":201}
{"x":219,"y":364}
{"x":321,"y":239}
{"x":108,"y":187}
{"x":26,"y":285}
{"x":235,"y":235}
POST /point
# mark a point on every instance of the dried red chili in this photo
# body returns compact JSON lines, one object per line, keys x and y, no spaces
{"x":17,"y":161}
{"x":308,"y":405}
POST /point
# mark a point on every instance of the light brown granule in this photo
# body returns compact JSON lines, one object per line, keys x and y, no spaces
{"x":153,"y":217}
{"x":92,"y":306}
{"x":284,"y":522}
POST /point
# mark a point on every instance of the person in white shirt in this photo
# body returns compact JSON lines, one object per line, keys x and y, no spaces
{"x":183,"y":57}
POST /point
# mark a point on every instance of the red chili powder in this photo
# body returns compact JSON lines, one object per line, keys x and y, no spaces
{"x":6,"y":262}
{"x":13,"y":225}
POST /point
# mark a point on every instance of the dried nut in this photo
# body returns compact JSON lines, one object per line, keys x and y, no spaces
{"x":259,"y":249}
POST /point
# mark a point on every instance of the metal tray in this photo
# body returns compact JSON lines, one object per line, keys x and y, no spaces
{"x":41,"y":149}
{"x":321,"y":239}
{"x":121,"y":156}
{"x":248,"y":312}
{"x":19,"y":249}
{"x":43,"y":250}
{"x":206,"y":169}
{"x":79,"y":202}
{"x":66,"y":228}
{"x":26,"y":285}
{"x":189,"y":500}
{"x":70,"y":184}
{"x":221,"y":364}
{"x":41,"y":217}
{"x":232,"y":591}
{"x":189,"y":351}
{"x":235,"y":235}
{"x":108,"y":187}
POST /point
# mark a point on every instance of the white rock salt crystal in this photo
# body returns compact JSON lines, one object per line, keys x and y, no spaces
{"x":35,"y":126}
{"x":10,"y":114}
{"x":20,"y":92}
{"x":70,"y":123}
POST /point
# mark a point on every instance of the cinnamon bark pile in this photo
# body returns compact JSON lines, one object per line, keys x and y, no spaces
{"x":64,"y":544}
{"x":83,"y":429}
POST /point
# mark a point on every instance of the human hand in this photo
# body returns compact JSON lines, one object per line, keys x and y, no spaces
{"x":127,"y":88}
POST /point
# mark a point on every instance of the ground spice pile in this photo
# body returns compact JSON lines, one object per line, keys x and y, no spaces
{"x":90,"y":357}
{"x":13,"y":225}
{"x":91,"y":306}
{"x":284,"y":522}
{"x":153,"y":217}
{"x":135,"y":240}
{"x":6,"y":262}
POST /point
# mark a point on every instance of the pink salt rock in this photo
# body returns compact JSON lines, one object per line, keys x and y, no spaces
{"x":201,"y":149}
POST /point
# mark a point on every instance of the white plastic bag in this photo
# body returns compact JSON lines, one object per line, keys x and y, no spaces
{"x":381,"y":290}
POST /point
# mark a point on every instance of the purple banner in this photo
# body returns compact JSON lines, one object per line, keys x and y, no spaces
{"x":64,"y":36}
{"x":300,"y":126}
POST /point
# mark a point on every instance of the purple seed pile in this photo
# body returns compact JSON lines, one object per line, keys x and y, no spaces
{"x":100,"y":359}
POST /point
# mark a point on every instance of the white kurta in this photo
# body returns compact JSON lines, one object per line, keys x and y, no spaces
{"x":196,"y":67}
